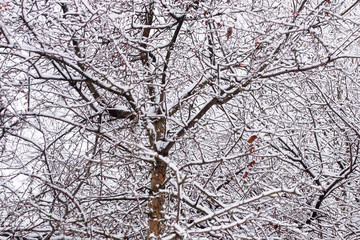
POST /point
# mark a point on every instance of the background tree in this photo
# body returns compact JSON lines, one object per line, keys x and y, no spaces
{"x":179,"y":119}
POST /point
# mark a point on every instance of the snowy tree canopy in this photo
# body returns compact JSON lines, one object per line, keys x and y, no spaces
{"x":179,"y":119}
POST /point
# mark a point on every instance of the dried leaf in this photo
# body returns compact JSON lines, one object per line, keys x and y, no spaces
{"x":229,"y":32}
{"x":252,"y":139}
{"x":252,"y":163}
{"x":252,"y":148}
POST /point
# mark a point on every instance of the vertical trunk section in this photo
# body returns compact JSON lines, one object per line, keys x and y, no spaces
{"x":158,"y":174}
{"x":158,"y":171}
{"x":156,"y":219}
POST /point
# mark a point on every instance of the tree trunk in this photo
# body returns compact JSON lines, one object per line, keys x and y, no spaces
{"x":156,"y":219}
{"x":158,"y":174}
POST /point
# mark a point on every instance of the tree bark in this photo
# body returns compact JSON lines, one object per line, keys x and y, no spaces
{"x":158,"y":175}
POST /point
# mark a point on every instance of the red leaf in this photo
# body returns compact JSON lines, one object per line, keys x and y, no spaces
{"x":252,"y":139}
{"x":252,"y":149}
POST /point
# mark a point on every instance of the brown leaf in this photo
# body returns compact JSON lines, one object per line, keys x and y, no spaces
{"x":229,"y":32}
{"x":252,"y":163}
{"x":252,"y":139}
{"x":252,"y":148}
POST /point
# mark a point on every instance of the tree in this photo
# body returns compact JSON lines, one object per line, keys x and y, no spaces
{"x":179,"y":119}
